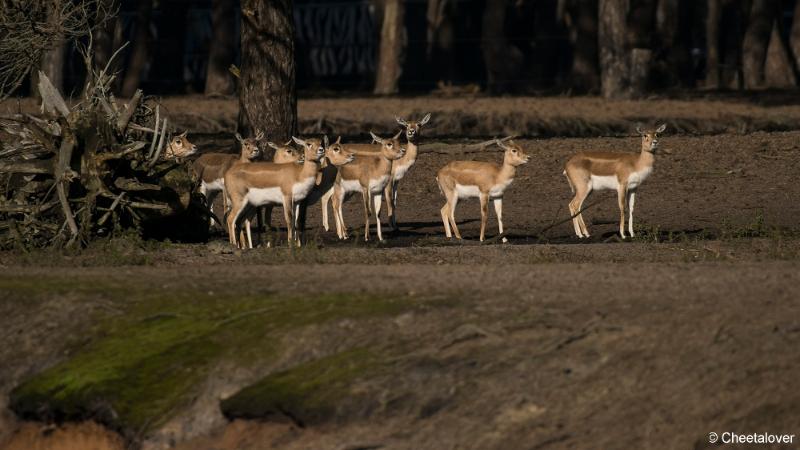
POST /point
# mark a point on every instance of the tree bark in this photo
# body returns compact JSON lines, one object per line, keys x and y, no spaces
{"x":581,"y":19}
{"x":267,"y":96}
{"x":713,"y":20}
{"x":756,"y":40}
{"x":779,"y":68}
{"x":503,"y":60}
{"x":139,"y":53}
{"x":390,"y":57}
{"x":613,"y":44}
{"x":221,"y":50}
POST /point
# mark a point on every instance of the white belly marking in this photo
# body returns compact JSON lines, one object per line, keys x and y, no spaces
{"x":351,"y":185}
{"x":376,"y":186}
{"x":467,"y":191}
{"x":498,"y":189}
{"x":600,"y":183}
{"x":300,"y":190}
{"x":398,"y":171}
{"x":216,"y":185}
{"x":264,"y":196}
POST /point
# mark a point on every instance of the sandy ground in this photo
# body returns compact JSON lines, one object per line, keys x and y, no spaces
{"x":549,"y":342}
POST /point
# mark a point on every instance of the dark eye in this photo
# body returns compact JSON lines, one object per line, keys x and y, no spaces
{"x":389,"y":145}
{"x":178,"y":141}
{"x":513,"y":151}
{"x":336,"y":150}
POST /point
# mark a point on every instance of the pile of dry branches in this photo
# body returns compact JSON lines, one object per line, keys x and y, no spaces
{"x":77,"y":172}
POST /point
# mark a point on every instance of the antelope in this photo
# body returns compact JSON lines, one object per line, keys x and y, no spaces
{"x":210,"y":168}
{"x":263,"y":183}
{"x":589,"y":171}
{"x":283,"y":154}
{"x":336,"y":156}
{"x":368,"y":174}
{"x":399,"y":167}
{"x":179,"y":147}
{"x":485,"y":180}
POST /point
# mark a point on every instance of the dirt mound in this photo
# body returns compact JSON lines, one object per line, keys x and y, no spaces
{"x":80,"y":436}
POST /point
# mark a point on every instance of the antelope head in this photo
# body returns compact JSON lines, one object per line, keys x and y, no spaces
{"x":412,"y":128}
{"x":650,"y":137}
{"x":513,"y":153}
{"x":391,"y":148}
{"x":180,"y":147}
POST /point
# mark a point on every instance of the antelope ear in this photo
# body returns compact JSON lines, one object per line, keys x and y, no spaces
{"x":239,"y":137}
{"x":325,"y":140}
{"x":299,"y":141}
{"x":339,"y":140}
{"x":187,"y":131}
{"x":500,"y":144}
{"x":397,"y":136}
{"x":401,"y":121}
{"x":376,"y":138}
{"x":425,"y":119}
{"x":639,"y":128}
{"x":273,"y":145}
{"x":661,"y":128}
{"x":289,"y":142}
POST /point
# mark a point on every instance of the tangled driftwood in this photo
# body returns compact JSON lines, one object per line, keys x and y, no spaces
{"x":74,"y":173}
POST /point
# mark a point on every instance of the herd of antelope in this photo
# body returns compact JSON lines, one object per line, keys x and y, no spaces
{"x":326,"y":172}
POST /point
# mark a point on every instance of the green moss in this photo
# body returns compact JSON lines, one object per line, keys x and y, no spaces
{"x":140,"y":366}
{"x":307,"y":392}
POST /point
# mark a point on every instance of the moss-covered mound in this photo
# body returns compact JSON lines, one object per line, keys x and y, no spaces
{"x":309,"y":392}
{"x":141,"y":365}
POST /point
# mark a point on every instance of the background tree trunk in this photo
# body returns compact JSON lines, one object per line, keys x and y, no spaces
{"x":779,"y":68}
{"x":612,"y":39}
{"x":674,"y":41}
{"x":503,"y":60}
{"x":267,"y":96}
{"x":103,"y":37}
{"x":139,"y":52}
{"x":222,"y":49}
{"x":756,"y":40}
{"x":390,"y":57}
{"x":713,"y":20}
{"x":580,"y":17}
{"x":440,"y":36}
{"x":52,"y":62}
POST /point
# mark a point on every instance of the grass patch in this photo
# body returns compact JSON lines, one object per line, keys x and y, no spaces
{"x":141,"y":365}
{"x":306,"y":393}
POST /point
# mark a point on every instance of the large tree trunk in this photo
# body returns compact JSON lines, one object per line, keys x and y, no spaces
{"x":580,"y":17}
{"x":267,"y":96}
{"x":139,"y":53}
{"x":756,"y":40}
{"x":222,"y":49}
{"x":390,"y":57}
{"x":612,"y":38}
{"x":502,"y":59}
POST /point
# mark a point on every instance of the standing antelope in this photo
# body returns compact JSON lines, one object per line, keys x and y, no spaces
{"x":283,"y":154}
{"x":210,"y":168}
{"x":399,"y":167}
{"x":588,"y":171}
{"x":335,"y":156}
{"x":368,"y":174}
{"x":262,"y":183}
{"x":487,"y":181}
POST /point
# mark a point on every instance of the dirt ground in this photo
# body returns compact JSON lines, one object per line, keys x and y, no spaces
{"x":546,"y":342}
